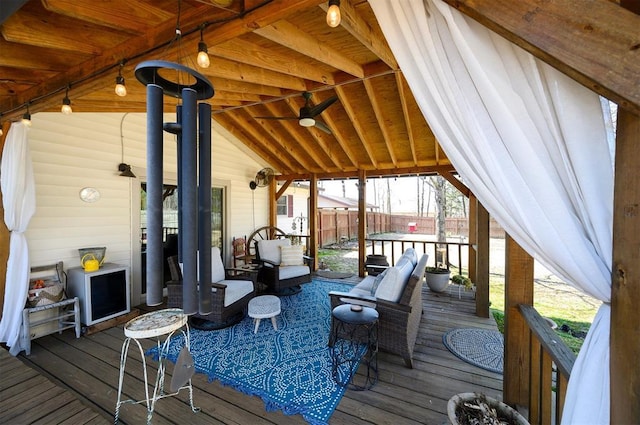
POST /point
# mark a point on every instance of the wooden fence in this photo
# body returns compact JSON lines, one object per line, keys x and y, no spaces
{"x":335,"y":226}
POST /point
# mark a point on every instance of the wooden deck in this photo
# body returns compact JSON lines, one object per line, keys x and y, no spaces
{"x":87,"y":368}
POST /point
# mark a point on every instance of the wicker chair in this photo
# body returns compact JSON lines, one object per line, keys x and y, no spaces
{"x":281,"y":279}
{"x":230,"y":294}
{"x":398,"y":322}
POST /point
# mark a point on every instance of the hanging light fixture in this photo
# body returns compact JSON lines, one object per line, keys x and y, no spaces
{"x":66,"y":104}
{"x":121,"y":89}
{"x":26,"y":118}
{"x":203,"y":54}
{"x":333,"y":13}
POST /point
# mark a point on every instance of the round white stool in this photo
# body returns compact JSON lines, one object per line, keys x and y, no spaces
{"x":264,"y":307}
{"x":153,"y":325}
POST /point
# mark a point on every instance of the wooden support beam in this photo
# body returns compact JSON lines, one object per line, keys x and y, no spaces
{"x":482,"y":262}
{"x":518,"y":290}
{"x":362,"y":220}
{"x":284,"y":187}
{"x":625,"y":287}
{"x":313,"y":220}
{"x":273,"y":204}
{"x":473,"y":237}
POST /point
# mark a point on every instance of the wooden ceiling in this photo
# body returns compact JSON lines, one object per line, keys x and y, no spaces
{"x":266,"y":53}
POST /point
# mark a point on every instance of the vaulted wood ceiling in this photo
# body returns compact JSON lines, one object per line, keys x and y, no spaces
{"x":264,"y":55}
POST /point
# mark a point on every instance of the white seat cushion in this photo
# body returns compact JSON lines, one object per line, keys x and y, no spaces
{"x":391,"y":286}
{"x":217,"y":268}
{"x":269,"y":249}
{"x":293,"y":271}
{"x":236,"y":289}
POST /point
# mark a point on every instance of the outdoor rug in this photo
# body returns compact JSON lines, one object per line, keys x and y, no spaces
{"x":290,"y":369}
{"x":329,"y":274}
{"x":480,"y":347}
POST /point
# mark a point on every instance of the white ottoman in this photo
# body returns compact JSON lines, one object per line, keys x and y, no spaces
{"x":264,"y":307}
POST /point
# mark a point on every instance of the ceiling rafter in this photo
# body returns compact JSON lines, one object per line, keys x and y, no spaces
{"x":402,"y":93}
{"x":288,"y":35}
{"x":238,"y":71}
{"x":382,"y":122}
{"x":357,"y":125}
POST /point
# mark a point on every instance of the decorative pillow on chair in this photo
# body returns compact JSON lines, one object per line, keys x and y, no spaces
{"x":291,"y":255}
{"x":377,"y":280}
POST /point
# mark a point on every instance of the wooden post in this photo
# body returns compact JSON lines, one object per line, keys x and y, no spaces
{"x":518,"y":290}
{"x":625,"y":289}
{"x":313,"y":221}
{"x":362,"y":220}
{"x":482,"y":262}
{"x":5,"y":235}
{"x":473,"y":220}
{"x":273,"y":204}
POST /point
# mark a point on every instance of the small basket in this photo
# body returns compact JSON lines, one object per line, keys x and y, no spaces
{"x":51,"y":293}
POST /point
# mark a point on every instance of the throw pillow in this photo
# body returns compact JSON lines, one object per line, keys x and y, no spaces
{"x":391,"y":286}
{"x":376,"y":282}
{"x":291,"y":255}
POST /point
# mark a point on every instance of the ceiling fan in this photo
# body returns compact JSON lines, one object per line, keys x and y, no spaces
{"x":306,"y":117}
{"x":262,"y":178}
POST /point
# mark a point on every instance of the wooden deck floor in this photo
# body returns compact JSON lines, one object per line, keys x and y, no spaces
{"x":88,"y":369}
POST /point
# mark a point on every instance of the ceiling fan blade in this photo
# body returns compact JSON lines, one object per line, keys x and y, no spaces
{"x":277,"y":118}
{"x":322,"y":126}
{"x":322,"y":106}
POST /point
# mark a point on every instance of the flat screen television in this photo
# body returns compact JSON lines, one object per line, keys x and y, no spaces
{"x":103,"y":294}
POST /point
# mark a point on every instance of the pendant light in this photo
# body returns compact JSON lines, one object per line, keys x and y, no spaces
{"x":66,"y":104}
{"x":26,"y":118}
{"x":203,"y":55}
{"x":121,"y":89}
{"x":333,"y":13}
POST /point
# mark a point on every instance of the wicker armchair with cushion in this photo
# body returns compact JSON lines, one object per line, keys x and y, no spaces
{"x":229,"y":294}
{"x":397,"y":295}
{"x":284,"y":267}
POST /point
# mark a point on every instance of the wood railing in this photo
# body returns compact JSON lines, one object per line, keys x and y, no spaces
{"x":551,"y":364}
{"x":454,"y":255}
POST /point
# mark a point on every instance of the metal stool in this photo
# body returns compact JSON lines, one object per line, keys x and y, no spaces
{"x":154,"y":325}
{"x":354,"y":328}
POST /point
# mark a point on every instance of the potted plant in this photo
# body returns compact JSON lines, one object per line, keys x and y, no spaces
{"x":477,"y":408}
{"x":437,"y":278}
{"x":463,"y":281}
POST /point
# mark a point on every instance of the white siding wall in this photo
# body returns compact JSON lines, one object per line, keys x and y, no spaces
{"x":300,"y":201}
{"x":84,"y":149}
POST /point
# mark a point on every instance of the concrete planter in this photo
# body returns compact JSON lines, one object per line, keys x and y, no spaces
{"x":437,"y":280}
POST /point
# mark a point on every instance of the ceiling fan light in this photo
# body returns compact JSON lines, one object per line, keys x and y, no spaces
{"x":307,"y":122}
{"x":333,"y":13}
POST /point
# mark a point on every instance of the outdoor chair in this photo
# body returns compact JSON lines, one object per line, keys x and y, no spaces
{"x":284,"y":267}
{"x":229,"y":294}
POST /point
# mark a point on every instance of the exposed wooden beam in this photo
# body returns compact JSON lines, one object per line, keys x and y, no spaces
{"x":232,"y":70}
{"x":313,"y":221}
{"x":284,"y":187}
{"x":288,"y":35}
{"x":595,"y":43}
{"x":404,"y":92}
{"x":355,"y":121}
{"x":370,"y":37}
{"x":455,"y":182}
{"x":482,"y":261}
{"x":380,"y":119}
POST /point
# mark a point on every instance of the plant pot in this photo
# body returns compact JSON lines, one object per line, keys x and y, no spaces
{"x":437,"y":282}
{"x":504,"y":412}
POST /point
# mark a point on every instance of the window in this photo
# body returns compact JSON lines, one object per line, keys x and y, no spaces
{"x":285,"y":205}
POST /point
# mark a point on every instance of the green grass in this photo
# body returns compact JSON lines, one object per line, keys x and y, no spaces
{"x":559,"y":302}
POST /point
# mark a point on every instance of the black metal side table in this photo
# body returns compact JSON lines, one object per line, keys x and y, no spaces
{"x":354,"y":328}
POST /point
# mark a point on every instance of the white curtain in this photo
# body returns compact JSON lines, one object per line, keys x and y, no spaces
{"x":19,"y":202}
{"x":532,"y":146}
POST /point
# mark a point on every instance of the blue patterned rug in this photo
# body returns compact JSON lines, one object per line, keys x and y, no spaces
{"x":480,"y":347}
{"x":290,"y":369}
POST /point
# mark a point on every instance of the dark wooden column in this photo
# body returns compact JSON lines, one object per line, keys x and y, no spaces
{"x":4,"y":231}
{"x":473,"y":224}
{"x":482,"y":262}
{"x":313,"y":220}
{"x":518,"y":290}
{"x":625,"y":290}
{"x":362,"y":220}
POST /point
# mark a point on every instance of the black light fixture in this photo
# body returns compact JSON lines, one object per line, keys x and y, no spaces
{"x":121,"y":89}
{"x":203,"y":55}
{"x":333,"y":13}
{"x":66,"y":104}
{"x":26,"y":118}
{"x":125,"y":170}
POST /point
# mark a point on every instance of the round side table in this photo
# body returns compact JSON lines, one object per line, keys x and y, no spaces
{"x":264,"y":307}
{"x":354,"y":328}
{"x":153,"y":325}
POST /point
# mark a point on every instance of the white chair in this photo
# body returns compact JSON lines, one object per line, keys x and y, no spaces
{"x":284,"y":266}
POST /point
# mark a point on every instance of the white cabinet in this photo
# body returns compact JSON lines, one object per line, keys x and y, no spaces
{"x":103,"y":294}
